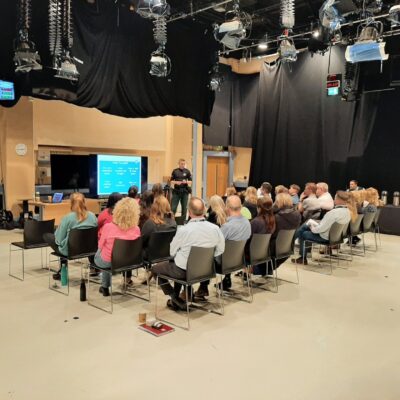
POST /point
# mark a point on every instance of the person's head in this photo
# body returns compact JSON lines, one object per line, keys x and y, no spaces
{"x":294,"y":189}
{"x":233,"y":206}
{"x":266,"y":188}
{"x":126,"y":213}
{"x":283,"y":200}
{"x":182,"y":163}
{"x":157,"y":190}
{"x":372,"y":196}
{"x":343,"y":198}
{"x":78,"y":205}
{"x":218,"y":206}
{"x":322,"y":188}
{"x":113,"y":199}
{"x":230,"y":191}
{"x":251,"y":195}
{"x":310,"y":188}
{"x":353,"y":184}
{"x":160,"y":210}
{"x":147,"y":198}
{"x":264,"y":210}
{"x":196,"y":207}
{"x":281,"y":189}
{"x":133,"y":192}
{"x":358,"y":197}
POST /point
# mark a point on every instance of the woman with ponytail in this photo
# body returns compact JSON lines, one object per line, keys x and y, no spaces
{"x":216,"y":211}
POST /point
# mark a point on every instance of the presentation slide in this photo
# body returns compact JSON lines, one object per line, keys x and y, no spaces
{"x":118,"y":173}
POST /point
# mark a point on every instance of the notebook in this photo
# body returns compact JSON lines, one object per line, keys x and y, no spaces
{"x":164,"y":329}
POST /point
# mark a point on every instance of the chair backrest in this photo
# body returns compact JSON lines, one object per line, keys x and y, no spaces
{"x":34,"y":231}
{"x":158,"y":247}
{"x":355,"y":227}
{"x":82,"y":242}
{"x":368,"y":220}
{"x":127,"y":253}
{"x":232,"y":257}
{"x":377,"y":215}
{"x":200,"y":264}
{"x":336,"y":233}
{"x":345,"y":232}
{"x":284,"y":243}
{"x":259,"y":248}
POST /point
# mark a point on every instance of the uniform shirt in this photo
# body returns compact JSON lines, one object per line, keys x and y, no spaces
{"x":339,"y":214}
{"x":326,"y":201}
{"x":197,"y":232}
{"x":181,"y":175}
{"x":236,"y":228}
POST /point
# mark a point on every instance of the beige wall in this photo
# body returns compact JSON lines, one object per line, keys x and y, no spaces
{"x":242,"y":160}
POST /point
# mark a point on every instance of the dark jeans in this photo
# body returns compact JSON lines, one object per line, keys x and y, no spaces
{"x":180,"y":196}
{"x":169,"y":268}
{"x":51,"y":240}
{"x":304,"y":234}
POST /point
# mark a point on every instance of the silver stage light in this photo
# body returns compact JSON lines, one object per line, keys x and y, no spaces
{"x":160,"y":63}
{"x":152,"y":8}
{"x":394,"y":16}
{"x":287,"y":51}
{"x":329,"y":16}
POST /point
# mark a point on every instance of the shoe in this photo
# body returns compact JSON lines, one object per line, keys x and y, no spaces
{"x":226,"y":284}
{"x":326,"y":251}
{"x":57,"y":276}
{"x":300,"y":260}
{"x":179,"y":303}
{"x":201,"y":293}
{"x":93,"y":272}
{"x":105,"y":291}
{"x":172,"y":306}
{"x":129,"y":283}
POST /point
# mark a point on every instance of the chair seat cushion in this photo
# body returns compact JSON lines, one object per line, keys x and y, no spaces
{"x":22,"y":245}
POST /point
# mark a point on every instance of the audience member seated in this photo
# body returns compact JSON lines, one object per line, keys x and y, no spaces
{"x":309,"y":205}
{"x":325,"y":199}
{"x":342,"y":213}
{"x":264,"y":190}
{"x":157,"y":190}
{"x":216,"y":211}
{"x":236,"y":228}
{"x":133,"y":193}
{"x":353,"y":186}
{"x":197,"y":232}
{"x":250,"y":200}
{"x":281,"y":189}
{"x":106,"y":215}
{"x":263,"y":223}
{"x":78,"y":218}
{"x":287,"y":218}
{"x":294,"y":191}
{"x":145,"y":204}
{"x":123,"y":226}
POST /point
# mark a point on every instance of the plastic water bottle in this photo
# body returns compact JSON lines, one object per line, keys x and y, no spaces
{"x":64,"y":275}
{"x":83,"y":290}
{"x":396,"y":196}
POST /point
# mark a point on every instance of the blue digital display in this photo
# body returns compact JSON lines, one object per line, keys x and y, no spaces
{"x":7,"y":91}
{"x":333,"y":91}
{"x":118,"y":173}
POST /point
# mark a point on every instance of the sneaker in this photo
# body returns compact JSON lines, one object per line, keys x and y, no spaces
{"x":57,"y":276}
{"x":105,"y":291}
{"x":300,"y":260}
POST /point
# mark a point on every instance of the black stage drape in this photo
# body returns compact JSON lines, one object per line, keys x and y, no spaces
{"x":303,"y":135}
{"x":115,"y":46}
{"x":233,"y":117}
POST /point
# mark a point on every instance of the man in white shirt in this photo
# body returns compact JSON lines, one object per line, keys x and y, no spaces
{"x":197,"y":232}
{"x":309,"y":205}
{"x":319,"y":232}
{"x":325,"y":199}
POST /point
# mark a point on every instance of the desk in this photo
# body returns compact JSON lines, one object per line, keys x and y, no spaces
{"x":389,"y":220}
{"x":58,"y":210}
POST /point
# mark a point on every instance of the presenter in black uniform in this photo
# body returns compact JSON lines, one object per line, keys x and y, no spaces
{"x":181,"y":180}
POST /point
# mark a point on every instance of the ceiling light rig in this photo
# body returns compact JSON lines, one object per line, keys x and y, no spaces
{"x":287,"y":50}
{"x":26,"y":58}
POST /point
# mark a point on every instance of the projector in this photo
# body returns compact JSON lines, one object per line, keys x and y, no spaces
{"x":287,"y":51}
{"x":231,"y":33}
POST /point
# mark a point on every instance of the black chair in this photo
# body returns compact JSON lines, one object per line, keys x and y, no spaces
{"x":127,"y":255}
{"x":368,"y":226}
{"x":377,"y":232}
{"x":233,"y":260}
{"x":259,"y":253}
{"x":200,"y":267}
{"x":158,"y":247}
{"x":82,"y":243}
{"x":284,"y":248}
{"x":32,"y":239}
{"x":354,"y":230}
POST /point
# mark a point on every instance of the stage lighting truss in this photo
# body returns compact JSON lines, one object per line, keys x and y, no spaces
{"x":26,"y":58}
{"x":237,"y":27}
{"x":61,"y":40}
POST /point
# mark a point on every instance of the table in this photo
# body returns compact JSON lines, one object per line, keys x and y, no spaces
{"x":58,"y":210}
{"x":389,"y":220}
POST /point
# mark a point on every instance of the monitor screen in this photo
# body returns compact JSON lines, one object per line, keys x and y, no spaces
{"x":118,"y":173}
{"x":69,"y":171}
{"x":7,"y":91}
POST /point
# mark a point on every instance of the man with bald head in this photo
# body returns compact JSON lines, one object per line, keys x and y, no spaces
{"x":236,"y":228}
{"x":197,"y":232}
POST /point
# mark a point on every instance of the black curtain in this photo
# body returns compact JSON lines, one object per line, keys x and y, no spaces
{"x":233,"y":116}
{"x":301,"y":134}
{"x":115,"y":46}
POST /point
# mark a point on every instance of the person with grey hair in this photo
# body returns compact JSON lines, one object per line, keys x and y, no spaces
{"x":197,"y":232}
{"x":325,"y":199}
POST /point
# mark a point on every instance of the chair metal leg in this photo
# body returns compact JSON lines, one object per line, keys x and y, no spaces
{"x":220,"y":295}
{"x":250,"y":291}
{"x":187,"y":307}
{"x":156,"y":302}
{"x":111,"y":293}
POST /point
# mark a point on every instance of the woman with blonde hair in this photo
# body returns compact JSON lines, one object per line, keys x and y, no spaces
{"x":216,"y":211}
{"x":78,"y":218}
{"x":250,"y":200}
{"x":123,"y":226}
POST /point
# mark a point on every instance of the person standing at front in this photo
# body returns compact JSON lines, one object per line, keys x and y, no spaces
{"x":181,"y":180}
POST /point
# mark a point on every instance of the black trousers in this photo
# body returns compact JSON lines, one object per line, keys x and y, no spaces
{"x":169,"y":268}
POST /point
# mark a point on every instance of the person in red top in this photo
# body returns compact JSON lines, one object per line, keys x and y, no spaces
{"x":106,"y":215}
{"x":124,"y":225}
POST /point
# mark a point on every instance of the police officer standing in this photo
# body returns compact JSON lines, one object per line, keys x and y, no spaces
{"x":181,"y":180}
